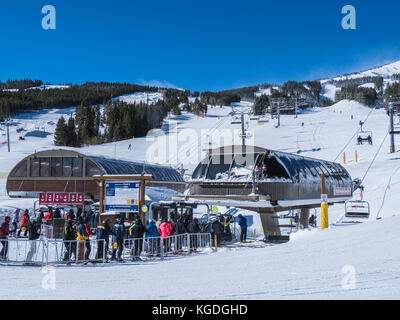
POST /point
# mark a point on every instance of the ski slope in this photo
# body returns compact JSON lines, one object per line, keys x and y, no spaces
{"x":309,"y":267}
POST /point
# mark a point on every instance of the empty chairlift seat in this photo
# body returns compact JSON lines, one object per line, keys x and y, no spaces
{"x":357,"y":209}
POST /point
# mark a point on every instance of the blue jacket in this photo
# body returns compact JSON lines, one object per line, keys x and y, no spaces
{"x":102,"y":232}
{"x":153,"y":230}
{"x":243,"y":223}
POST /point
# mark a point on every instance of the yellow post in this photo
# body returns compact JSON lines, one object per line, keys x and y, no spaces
{"x":215,"y":242}
{"x":255,"y":235}
{"x":356,"y":157}
{"x":324,"y":205}
{"x":344,"y":158}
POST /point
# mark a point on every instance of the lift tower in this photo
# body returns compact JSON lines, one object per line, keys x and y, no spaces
{"x":392,"y":130}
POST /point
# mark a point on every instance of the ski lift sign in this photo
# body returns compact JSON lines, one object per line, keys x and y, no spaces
{"x":122,"y":196}
{"x":51,"y":199}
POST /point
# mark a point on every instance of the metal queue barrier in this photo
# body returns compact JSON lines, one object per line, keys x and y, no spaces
{"x":59,"y":252}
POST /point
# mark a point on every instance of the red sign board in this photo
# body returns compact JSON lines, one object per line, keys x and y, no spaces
{"x":74,"y":199}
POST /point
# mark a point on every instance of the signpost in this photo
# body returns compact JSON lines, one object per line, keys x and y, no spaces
{"x":125,"y":193}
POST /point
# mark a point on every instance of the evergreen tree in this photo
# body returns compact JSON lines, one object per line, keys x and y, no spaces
{"x":71,"y":133}
{"x":60,"y":133}
{"x":260,"y":105}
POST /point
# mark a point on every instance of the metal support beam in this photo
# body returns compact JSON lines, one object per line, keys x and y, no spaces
{"x":304,"y":218}
{"x":270,"y":224}
{"x":391,"y":115}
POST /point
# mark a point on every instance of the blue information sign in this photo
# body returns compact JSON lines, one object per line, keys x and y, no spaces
{"x":122,"y":196}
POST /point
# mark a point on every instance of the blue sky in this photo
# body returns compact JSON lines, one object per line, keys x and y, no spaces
{"x":198,"y":45}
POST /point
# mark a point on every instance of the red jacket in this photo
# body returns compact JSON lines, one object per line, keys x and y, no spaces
{"x":4,"y":230}
{"x":24,"y":220}
{"x":88,"y":231}
{"x":165,"y":229}
{"x":48,"y":216}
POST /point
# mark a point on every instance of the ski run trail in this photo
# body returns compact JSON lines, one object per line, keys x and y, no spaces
{"x":315,"y":264}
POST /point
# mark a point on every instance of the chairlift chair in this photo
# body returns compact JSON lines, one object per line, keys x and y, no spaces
{"x":236,"y":120}
{"x":254,"y":117}
{"x":263,"y":119}
{"x":365,"y":136}
{"x":357,"y":209}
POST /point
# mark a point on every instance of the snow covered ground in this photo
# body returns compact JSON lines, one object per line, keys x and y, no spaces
{"x":383,"y":71}
{"x":309,"y":267}
{"x":315,"y":265}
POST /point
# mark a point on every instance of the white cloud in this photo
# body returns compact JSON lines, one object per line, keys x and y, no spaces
{"x":157,"y":83}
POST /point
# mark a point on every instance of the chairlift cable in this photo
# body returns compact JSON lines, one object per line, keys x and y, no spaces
{"x":376,"y":155}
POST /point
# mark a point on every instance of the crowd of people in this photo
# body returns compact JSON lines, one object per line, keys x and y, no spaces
{"x":77,"y":233}
{"x":15,"y":226}
{"x":154,"y":233}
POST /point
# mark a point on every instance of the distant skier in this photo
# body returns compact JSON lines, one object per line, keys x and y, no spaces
{"x":130,"y":147}
{"x":243,"y":228}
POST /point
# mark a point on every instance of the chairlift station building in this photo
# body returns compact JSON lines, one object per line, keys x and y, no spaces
{"x":231,"y":176}
{"x":71,"y":171}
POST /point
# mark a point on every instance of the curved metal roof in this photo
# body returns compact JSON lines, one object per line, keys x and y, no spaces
{"x":117,"y":167}
{"x":295,"y":165}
